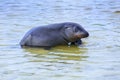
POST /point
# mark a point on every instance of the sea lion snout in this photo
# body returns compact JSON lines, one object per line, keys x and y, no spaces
{"x":82,"y":35}
{"x":86,"y":34}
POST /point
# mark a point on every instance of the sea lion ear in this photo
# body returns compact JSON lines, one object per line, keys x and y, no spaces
{"x":68,"y":28}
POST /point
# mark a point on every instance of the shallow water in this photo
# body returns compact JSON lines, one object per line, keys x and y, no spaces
{"x":97,"y":59}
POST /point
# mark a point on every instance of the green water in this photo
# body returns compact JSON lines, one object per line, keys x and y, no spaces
{"x":97,"y":59}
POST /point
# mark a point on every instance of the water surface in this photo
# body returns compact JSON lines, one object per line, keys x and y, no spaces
{"x":97,"y":59}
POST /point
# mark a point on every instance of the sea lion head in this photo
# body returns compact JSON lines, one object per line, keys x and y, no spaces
{"x":74,"y":31}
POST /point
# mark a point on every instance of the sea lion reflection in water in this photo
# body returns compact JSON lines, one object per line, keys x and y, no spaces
{"x":66,"y":33}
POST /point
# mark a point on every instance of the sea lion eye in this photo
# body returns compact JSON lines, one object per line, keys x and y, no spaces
{"x":76,"y":29}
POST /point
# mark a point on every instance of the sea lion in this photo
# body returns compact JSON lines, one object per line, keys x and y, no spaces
{"x":54,"y":34}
